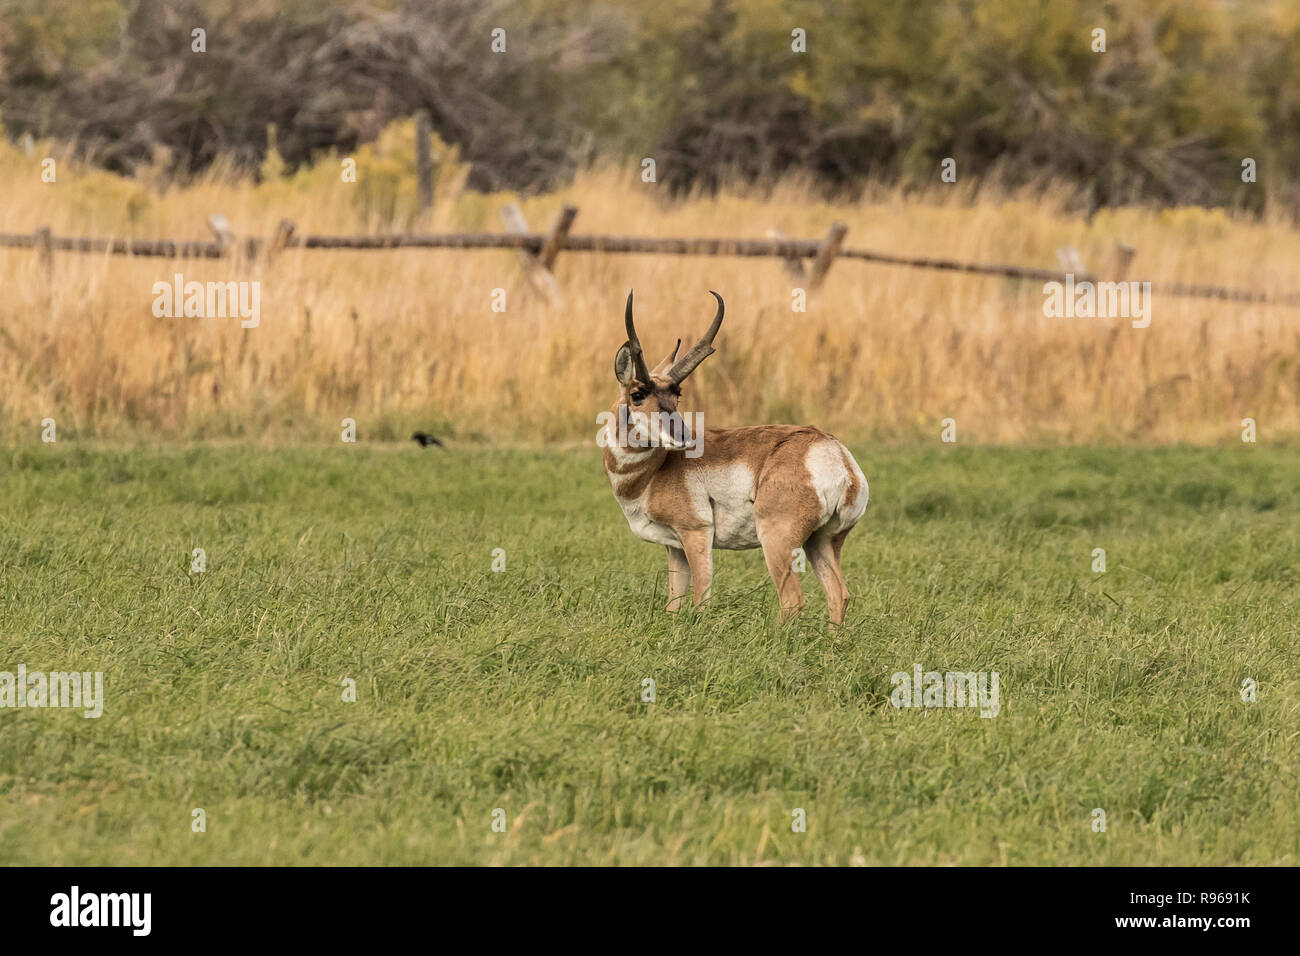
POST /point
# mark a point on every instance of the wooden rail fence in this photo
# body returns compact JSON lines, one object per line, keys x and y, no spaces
{"x":538,"y":252}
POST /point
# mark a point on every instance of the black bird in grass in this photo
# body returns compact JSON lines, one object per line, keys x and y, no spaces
{"x":426,"y":440}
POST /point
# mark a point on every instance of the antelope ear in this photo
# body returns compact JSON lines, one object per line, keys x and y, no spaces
{"x":624,"y":366}
{"x":667,"y":363}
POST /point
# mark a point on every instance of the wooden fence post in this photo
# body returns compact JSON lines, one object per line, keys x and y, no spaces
{"x":1071,"y":261}
{"x":826,"y":254}
{"x":555,"y":239}
{"x":539,"y":277}
{"x":283,"y":233}
{"x":1123,"y":259}
{"x":220,"y":227}
{"x":45,"y":249}
{"x":423,"y":161}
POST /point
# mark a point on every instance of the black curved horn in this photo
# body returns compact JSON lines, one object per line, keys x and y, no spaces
{"x":634,"y":344}
{"x":703,"y":348}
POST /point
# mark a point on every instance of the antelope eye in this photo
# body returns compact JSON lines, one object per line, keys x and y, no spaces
{"x":639,"y":396}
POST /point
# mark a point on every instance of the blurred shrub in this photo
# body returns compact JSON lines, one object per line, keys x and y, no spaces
{"x":711,"y":89}
{"x":384,"y":191}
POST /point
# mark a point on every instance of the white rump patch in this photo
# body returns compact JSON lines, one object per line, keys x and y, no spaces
{"x":829,"y":464}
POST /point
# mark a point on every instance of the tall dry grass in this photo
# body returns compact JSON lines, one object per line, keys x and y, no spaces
{"x":406,"y":338}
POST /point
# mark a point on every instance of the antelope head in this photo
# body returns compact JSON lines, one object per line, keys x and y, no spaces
{"x":650,"y":396}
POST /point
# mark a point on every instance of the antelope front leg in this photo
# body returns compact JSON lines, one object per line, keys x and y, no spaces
{"x":679,"y":577}
{"x":698,"y":547}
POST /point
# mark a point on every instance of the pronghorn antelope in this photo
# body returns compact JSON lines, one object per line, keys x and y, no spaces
{"x":778,"y":487}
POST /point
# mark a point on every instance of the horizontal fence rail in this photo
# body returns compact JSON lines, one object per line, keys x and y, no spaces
{"x":541,"y":249}
{"x":532,"y":242}
{"x":1188,"y":290}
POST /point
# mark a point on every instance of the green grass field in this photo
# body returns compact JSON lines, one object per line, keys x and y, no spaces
{"x":521,"y":690}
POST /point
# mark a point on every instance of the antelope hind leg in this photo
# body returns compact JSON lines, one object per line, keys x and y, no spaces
{"x":679,"y":577}
{"x":822,"y":556}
